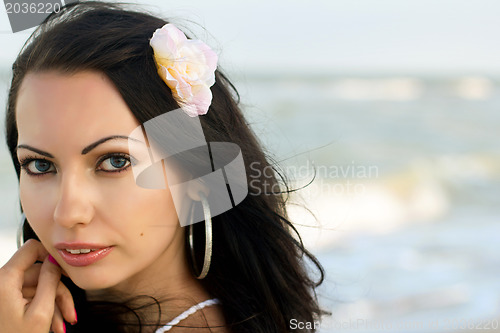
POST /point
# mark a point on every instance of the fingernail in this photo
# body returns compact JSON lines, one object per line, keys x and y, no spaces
{"x":76,"y":319}
{"x":64,"y":327}
{"x":52,"y":260}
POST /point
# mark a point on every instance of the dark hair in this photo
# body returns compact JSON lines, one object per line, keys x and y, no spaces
{"x":260,"y":270}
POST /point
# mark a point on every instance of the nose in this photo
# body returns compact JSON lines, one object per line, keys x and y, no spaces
{"x":74,"y":205}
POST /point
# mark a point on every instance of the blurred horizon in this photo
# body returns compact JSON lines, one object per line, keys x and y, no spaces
{"x":454,"y":37}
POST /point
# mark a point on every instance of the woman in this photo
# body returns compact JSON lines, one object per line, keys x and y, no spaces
{"x":117,"y":247}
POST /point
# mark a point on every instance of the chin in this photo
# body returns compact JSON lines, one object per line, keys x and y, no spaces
{"x":93,"y":281}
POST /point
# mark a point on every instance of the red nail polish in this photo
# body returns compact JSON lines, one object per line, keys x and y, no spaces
{"x":64,"y":327}
{"x":52,"y":260}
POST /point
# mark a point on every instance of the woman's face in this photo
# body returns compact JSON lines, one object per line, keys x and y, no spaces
{"x":77,"y":187}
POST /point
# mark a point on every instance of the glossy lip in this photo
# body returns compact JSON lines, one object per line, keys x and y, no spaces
{"x":81,"y":260}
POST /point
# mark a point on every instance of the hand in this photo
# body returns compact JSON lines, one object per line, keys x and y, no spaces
{"x":32,"y":297}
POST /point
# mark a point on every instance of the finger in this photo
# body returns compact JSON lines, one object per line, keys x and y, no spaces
{"x":63,"y":295}
{"x":43,"y":304}
{"x":58,"y":325}
{"x":65,"y":303}
{"x":28,"y":302}
{"x":24,"y":258}
{"x":28,"y":292}
{"x":31,"y":275}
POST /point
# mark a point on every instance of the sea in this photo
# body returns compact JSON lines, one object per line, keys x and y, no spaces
{"x":395,"y":185}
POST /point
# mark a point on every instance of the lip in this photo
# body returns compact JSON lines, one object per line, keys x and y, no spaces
{"x":84,"y":259}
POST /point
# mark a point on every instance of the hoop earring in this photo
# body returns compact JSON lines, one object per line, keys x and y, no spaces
{"x":208,"y":240}
{"x":20,"y":235}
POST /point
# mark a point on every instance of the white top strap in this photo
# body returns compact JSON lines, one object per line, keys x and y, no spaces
{"x":186,"y":314}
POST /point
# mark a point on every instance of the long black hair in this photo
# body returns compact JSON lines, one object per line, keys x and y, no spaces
{"x":260,"y":269}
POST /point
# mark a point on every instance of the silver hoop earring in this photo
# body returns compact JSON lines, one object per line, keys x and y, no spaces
{"x":208,"y":240}
{"x":20,"y":236}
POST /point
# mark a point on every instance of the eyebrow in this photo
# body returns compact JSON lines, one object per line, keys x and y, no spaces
{"x":85,"y":150}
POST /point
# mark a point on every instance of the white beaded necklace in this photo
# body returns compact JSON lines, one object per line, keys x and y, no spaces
{"x":186,"y":314}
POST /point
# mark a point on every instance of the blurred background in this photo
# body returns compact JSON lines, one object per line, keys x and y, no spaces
{"x":393,"y":107}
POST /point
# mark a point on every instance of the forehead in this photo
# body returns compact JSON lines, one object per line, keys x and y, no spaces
{"x":73,"y":108}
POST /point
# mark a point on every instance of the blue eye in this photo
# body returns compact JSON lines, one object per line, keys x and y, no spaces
{"x":42,"y":165}
{"x":37,"y":167}
{"x":118,"y":162}
{"x":115,"y":163}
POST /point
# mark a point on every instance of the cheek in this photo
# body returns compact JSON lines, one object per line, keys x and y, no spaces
{"x":155,"y":210}
{"x":38,"y":205}
{"x":144,"y":223}
{"x":155,"y":224}
{"x":137,"y":210}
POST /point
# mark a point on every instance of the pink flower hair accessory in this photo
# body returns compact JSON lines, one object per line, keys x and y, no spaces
{"x":187,"y":66}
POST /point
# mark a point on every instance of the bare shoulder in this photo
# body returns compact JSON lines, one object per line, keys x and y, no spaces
{"x":209,"y":319}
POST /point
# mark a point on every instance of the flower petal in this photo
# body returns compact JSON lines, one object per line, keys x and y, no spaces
{"x":202,"y":98}
{"x":187,"y":67}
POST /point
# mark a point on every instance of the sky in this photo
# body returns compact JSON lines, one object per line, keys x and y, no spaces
{"x":332,"y":36}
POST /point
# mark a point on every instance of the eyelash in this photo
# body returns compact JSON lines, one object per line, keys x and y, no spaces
{"x":24,"y":162}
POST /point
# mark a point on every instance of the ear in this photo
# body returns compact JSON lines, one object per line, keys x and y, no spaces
{"x":194,"y":188}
